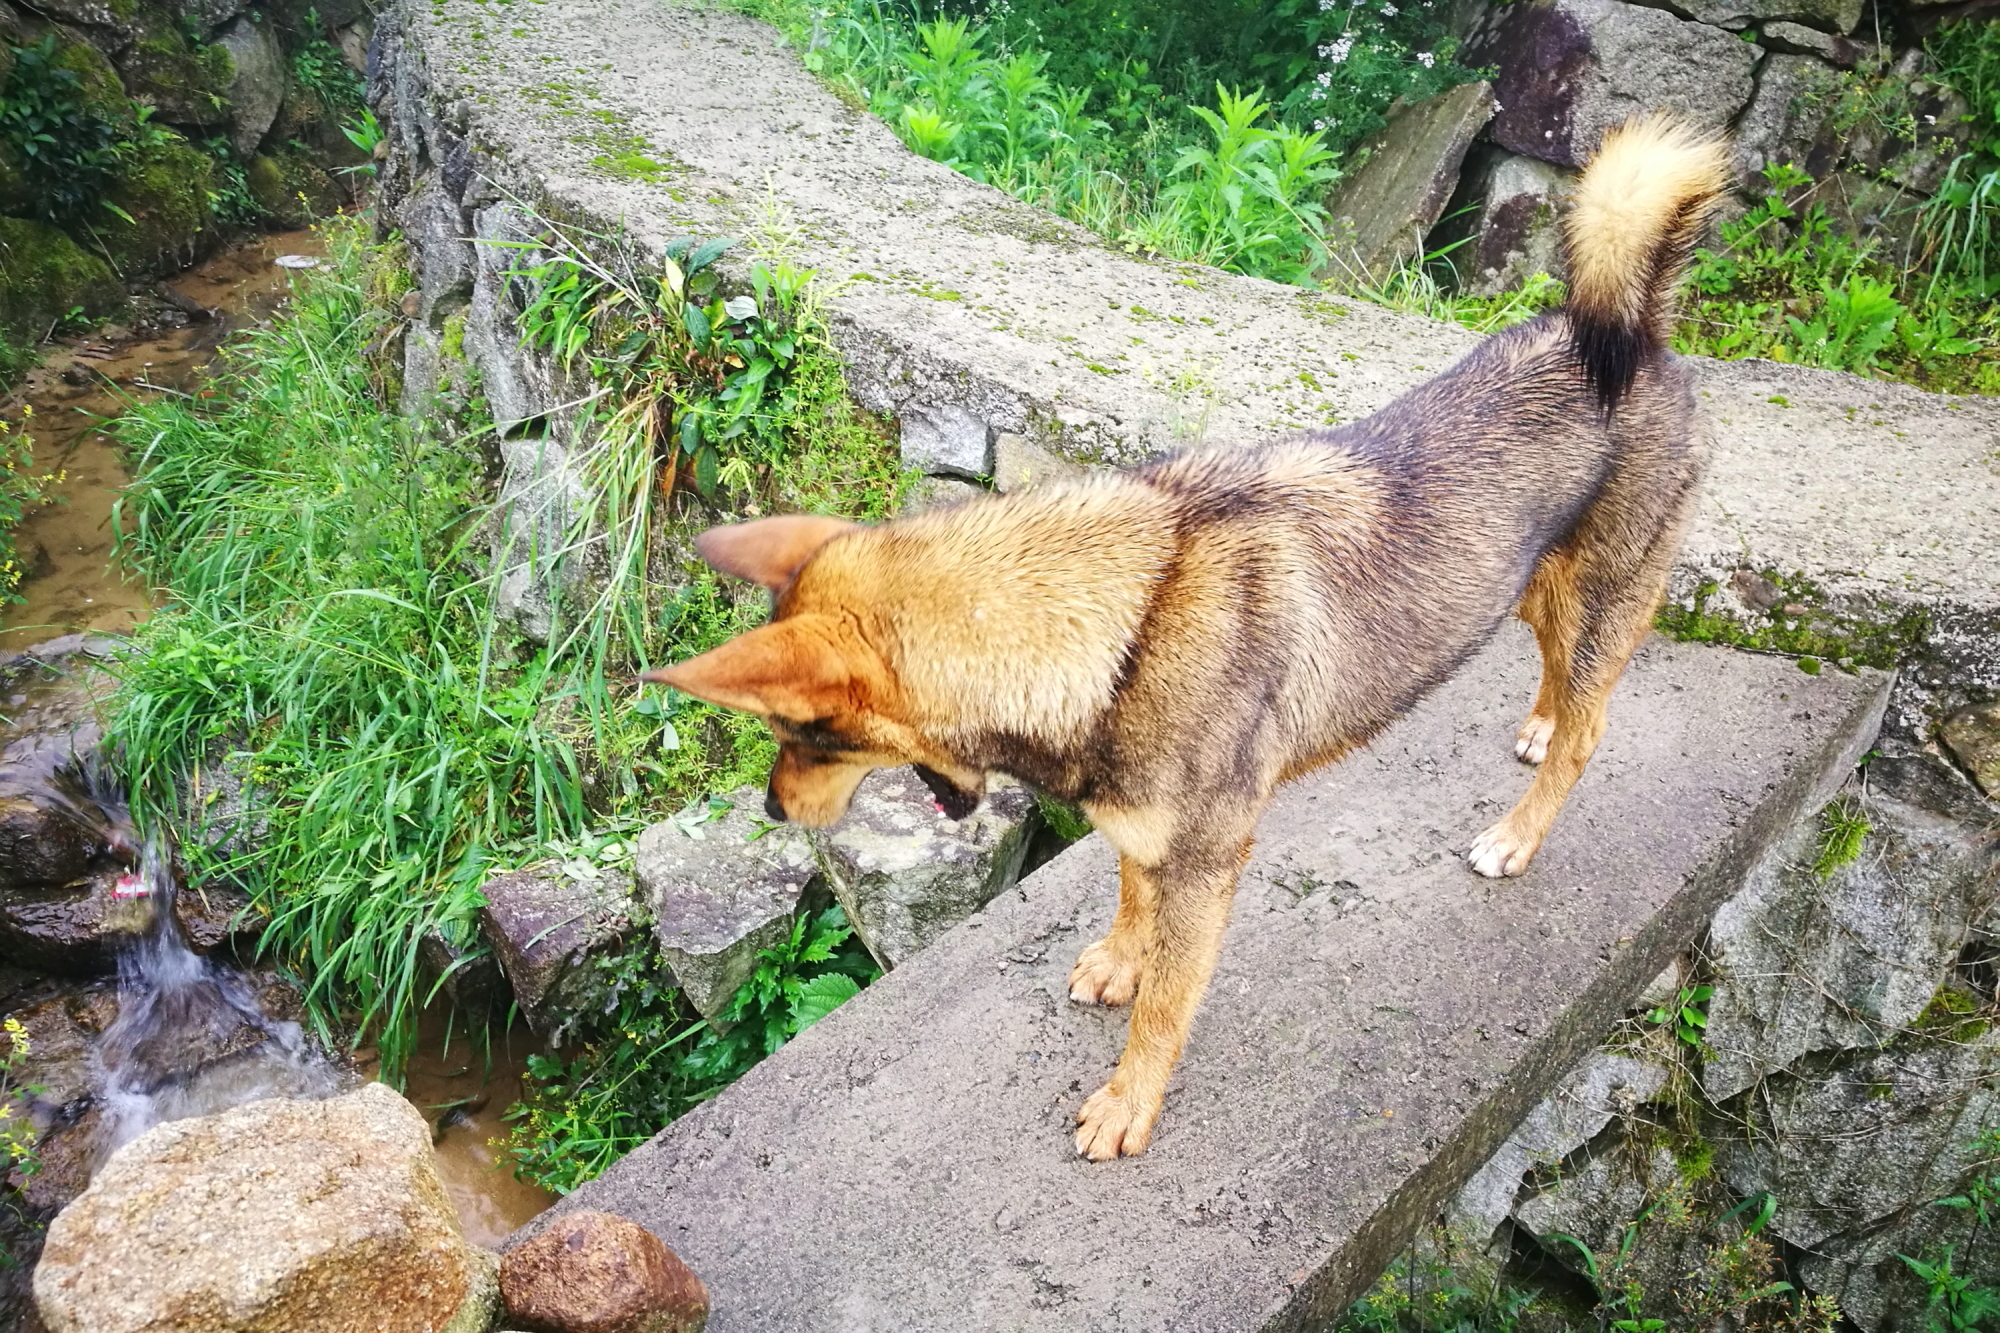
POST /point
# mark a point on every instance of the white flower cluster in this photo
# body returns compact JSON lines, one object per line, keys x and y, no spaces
{"x":1334,"y":53}
{"x":1426,"y":59}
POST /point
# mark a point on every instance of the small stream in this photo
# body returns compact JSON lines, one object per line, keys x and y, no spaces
{"x":191,"y":1035}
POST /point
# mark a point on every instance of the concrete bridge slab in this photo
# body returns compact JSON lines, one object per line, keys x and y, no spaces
{"x":1381,"y":1020}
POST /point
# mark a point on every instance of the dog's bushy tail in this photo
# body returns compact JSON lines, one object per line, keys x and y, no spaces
{"x":1640,"y":207}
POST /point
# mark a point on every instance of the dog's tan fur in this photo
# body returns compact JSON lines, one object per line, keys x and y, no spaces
{"x":1166,"y":645}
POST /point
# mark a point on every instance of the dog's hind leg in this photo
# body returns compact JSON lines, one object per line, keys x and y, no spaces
{"x":1614,"y":589}
{"x":1195,"y":878}
{"x":1108,"y":971}
{"x":1551,"y":607}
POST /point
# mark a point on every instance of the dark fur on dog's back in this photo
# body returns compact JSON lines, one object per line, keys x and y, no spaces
{"x":1167,"y":644}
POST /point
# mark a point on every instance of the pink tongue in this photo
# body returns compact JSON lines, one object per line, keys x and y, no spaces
{"x":938,"y":806}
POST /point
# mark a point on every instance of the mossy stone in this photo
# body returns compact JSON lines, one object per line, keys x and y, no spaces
{"x":165,"y":191}
{"x":44,"y":275}
{"x":97,"y":80}
{"x":187,"y":85}
{"x":293,"y":188}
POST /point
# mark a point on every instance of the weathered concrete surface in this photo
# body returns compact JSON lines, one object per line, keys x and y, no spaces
{"x":1381,"y":1020}
{"x":953,"y":299}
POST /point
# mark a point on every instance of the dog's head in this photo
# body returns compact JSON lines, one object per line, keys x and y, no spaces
{"x":826,"y":691}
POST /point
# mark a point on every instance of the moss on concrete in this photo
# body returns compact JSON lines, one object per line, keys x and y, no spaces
{"x":1801,"y":623}
{"x":163,"y":192}
{"x":44,"y":275}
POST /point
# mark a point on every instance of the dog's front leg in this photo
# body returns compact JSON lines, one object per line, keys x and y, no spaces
{"x":1108,"y":971}
{"x":1192,"y":883}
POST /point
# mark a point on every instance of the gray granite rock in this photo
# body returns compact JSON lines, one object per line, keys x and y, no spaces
{"x":1571,"y":69}
{"x":946,"y":439}
{"x":906,"y":874}
{"x":1517,"y":228}
{"x":1788,"y":120}
{"x":546,"y":925}
{"x":1603,"y":1086}
{"x":1798,"y":39}
{"x":258,"y":85}
{"x":1802,"y":965}
{"x":722,"y":882}
{"x":1378,"y":216}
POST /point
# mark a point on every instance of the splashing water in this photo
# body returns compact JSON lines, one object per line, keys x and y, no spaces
{"x":190,"y":1037}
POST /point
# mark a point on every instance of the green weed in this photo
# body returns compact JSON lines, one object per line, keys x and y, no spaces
{"x":1687,"y":1015}
{"x":648,"y":1058}
{"x":1843,"y":828}
{"x":327,"y":655}
{"x":69,"y":150}
{"x":20,"y":490}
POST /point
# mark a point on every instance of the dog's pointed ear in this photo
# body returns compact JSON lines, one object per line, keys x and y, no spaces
{"x":769,"y":550}
{"x":785,"y":669}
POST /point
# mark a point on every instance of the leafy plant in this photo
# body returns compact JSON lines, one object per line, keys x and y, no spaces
{"x":365,"y":133}
{"x":69,"y":150}
{"x":648,"y":1058}
{"x":18,"y":1137}
{"x":1687,"y":1014}
{"x":328,"y":645}
{"x":20,"y":490}
{"x":322,"y":71}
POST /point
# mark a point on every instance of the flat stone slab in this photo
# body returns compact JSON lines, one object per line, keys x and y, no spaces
{"x":1381,"y":1020}
{"x":953,"y":302}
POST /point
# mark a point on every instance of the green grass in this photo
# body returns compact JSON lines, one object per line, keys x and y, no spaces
{"x":1135,"y":122}
{"x":327,"y":636}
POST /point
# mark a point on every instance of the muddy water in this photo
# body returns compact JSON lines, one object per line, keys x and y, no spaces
{"x":66,"y":544}
{"x":464,"y":1093}
{"x":72,"y":586}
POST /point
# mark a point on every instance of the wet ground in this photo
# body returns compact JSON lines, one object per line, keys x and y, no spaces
{"x":72,"y":586}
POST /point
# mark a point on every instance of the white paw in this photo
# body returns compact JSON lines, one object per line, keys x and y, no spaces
{"x":1499,"y":852}
{"x":1531,"y":745}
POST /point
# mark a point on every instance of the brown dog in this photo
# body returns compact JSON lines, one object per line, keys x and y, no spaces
{"x":1166,"y":645}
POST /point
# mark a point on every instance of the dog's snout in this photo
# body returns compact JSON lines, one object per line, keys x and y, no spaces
{"x":773,"y":807}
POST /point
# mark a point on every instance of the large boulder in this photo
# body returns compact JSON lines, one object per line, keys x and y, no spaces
{"x":723,"y":883}
{"x":1380,"y":214}
{"x":1571,"y":69}
{"x":44,"y":275}
{"x":185,"y":83}
{"x":1803,"y":963}
{"x":548,"y":925}
{"x":906,"y":874}
{"x":163,"y":191}
{"x":592,"y":1272}
{"x":275,"y":1217}
{"x":257,"y":80}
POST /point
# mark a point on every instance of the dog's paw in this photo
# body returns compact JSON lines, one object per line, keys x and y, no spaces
{"x":1502,"y":850}
{"x":1531,"y":743}
{"x":1104,"y":974}
{"x":1115,"y":1124}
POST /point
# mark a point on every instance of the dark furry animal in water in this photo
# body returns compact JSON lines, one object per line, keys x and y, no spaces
{"x":1165,"y":645}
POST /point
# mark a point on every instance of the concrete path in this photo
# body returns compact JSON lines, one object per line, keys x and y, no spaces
{"x":1381,"y":1020}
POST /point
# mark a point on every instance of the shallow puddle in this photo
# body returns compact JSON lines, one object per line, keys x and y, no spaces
{"x":464,"y":1092}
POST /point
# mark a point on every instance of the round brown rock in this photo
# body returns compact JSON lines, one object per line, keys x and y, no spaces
{"x":599,"y":1273}
{"x":276,"y":1217}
